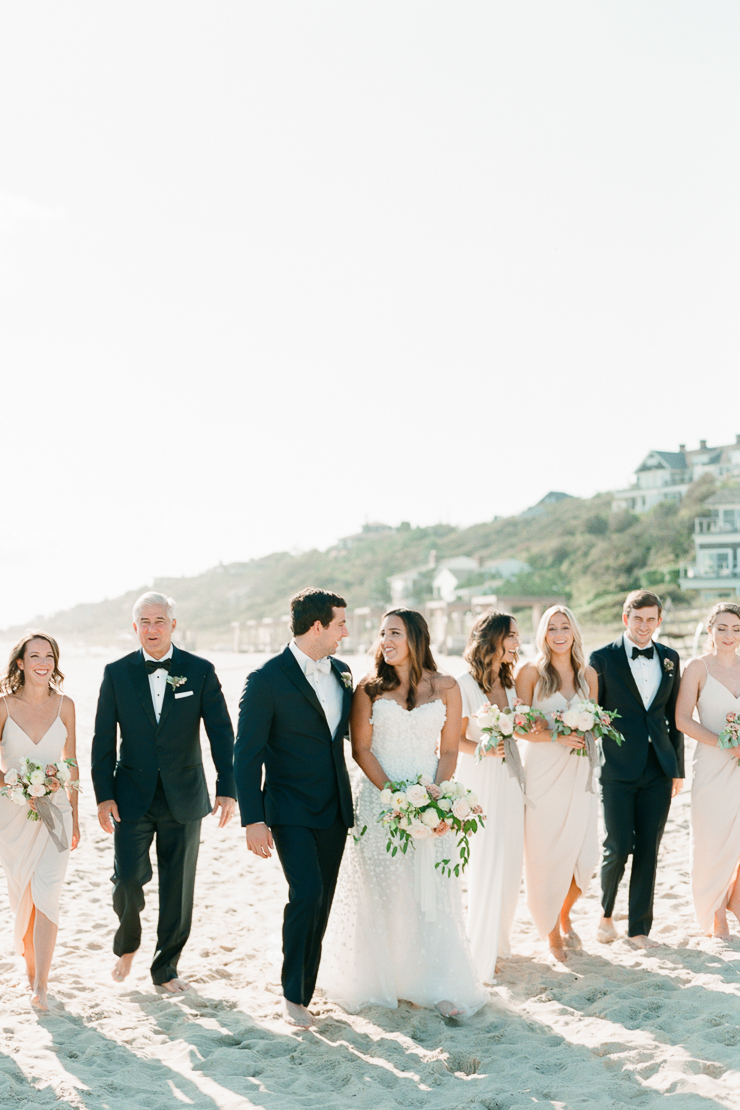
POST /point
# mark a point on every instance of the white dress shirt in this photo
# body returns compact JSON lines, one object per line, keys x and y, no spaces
{"x":328,"y":688}
{"x":646,"y":672}
{"x":158,"y":682}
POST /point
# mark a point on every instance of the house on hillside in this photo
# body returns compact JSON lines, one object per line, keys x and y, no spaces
{"x":715,"y":571}
{"x":554,"y":497}
{"x":462,"y":577}
{"x":666,"y":475}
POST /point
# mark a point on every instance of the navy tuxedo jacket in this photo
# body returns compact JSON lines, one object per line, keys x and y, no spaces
{"x":171,"y":748}
{"x":639,"y":726}
{"x":282,"y":727}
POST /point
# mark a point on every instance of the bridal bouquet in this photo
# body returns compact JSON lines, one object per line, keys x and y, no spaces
{"x":419,"y":809}
{"x":37,"y":780}
{"x":585,"y":717}
{"x":501,"y":724}
{"x":729,"y":737}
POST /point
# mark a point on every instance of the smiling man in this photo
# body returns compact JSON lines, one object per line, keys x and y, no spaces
{"x":639,"y":679}
{"x":293,"y":719}
{"x":153,"y":785}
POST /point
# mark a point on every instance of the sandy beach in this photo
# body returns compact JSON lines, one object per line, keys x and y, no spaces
{"x":618,"y":1028}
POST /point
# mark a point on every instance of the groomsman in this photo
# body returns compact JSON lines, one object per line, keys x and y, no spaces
{"x":153,"y":785}
{"x":639,"y":679}
{"x":293,"y":718}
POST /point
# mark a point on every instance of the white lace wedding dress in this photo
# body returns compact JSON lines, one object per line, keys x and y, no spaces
{"x":396,"y":928}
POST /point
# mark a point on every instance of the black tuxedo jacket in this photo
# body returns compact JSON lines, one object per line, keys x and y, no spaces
{"x":618,"y":690}
{"x":170,"y":748}
{"x":283,"y":728}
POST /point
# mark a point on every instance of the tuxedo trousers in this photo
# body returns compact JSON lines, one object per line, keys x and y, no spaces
{"x":310,"y":859}
{"x":635,"y":814}
{"x":177,"y":856}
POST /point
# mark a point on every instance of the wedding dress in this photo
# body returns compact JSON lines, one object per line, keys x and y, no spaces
{"x":494,"y":873}
{"x":715,"y":808}
{"x":560,"y":827}
{"x":396,"y":928}
{"x":33,"y":865}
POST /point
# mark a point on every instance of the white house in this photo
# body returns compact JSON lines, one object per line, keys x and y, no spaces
{"x":666,"y":475}
{"x":716,"y":567}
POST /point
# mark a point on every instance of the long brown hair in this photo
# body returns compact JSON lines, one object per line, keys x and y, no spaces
{"x":549,"y":682}
{"x":14,"y":678}
{"x":385,"y":677}
{"x":485,"y":642}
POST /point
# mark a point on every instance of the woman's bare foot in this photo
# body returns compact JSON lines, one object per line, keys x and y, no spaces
{"x":721,"y":928}
{"x":297,"y":1015}
{"x":572,"y":941}
{"x":606,"y":933}
{"x":558,"y":952}
{"x":448,"y":1009}
{"x":123,"y":966}
{"x":39,"y":1001}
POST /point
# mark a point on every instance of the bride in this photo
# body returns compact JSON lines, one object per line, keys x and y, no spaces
{"x":396,"y":930}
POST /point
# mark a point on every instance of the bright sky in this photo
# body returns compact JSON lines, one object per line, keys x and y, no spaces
{"x":269,"y":270}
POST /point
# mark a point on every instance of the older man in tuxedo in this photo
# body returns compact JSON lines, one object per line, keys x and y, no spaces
{"x":639,"y":679}
{"x":153,"y":785}
{"x":293,"y":719}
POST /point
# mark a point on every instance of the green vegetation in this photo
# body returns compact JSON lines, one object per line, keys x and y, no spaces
{"x":579,"y":548}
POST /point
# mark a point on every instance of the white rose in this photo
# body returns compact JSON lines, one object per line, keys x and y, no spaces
{"x":446,"y":788}
{"x":404,"y":823}
{"x":430,"y":817}
{"x":16,"y":795}
{"x":386,"y":797}
{"x":37,"y":790}
{"x":445,"y":804}
{"x":11,"y":777}
{"x":64,"y":775}
{"x":461,"y":809}
{"x":472,"y":798}
{"x":420,"y":831}
{"x":425,"y":780}
{"x":505,"y":724}
{"x":416,"y":795}
{"x":399,"y":801}
{"x":36,"y":777}
{"x":570,"y":718}
{"x":585,"y":721}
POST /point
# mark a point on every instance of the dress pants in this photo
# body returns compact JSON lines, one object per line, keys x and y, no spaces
{"x":310,"y":859}
{"x":635,"y":814}
{"x":177,"y":855}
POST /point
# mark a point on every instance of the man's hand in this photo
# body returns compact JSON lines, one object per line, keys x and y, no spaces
{"x":106,"y":810}
{"x":227,"y":807}
{"x":259,"y":839}
{"x":676,"y":789}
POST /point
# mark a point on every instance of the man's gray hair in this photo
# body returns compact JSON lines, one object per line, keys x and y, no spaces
{"x":153,"y":598}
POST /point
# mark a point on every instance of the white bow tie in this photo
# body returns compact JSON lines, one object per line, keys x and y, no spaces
{"x":318,"y":666}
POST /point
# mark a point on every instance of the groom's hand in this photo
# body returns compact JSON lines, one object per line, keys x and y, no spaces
{"x":259,"y":839}
{"x":106,"y":810}
{"x":227,"y":807}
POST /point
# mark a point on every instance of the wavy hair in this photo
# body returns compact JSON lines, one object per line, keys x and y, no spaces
{"x":14,"y":678}
{"x":549,"y":681}
{"x":714,"y":612}
{"x":485,"y":642}
{"x":385,"y":677}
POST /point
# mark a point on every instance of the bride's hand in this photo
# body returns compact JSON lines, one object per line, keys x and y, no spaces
{"x":498,"y":752}
{"x":571,"y":740}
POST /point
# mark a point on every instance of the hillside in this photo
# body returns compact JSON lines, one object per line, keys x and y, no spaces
{"x":577,"y":547}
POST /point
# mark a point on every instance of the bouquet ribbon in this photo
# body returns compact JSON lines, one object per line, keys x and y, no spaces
{"x":53,"y":820}
{"x":425,"y":881}
{"x":593,"y":761}
{"x":516,"y":767}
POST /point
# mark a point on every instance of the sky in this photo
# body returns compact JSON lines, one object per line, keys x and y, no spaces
{"x":269,"y":271}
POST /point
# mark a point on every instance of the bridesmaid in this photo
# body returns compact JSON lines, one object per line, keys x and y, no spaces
{"x":560,"y":827}
{"x":711,"y":684}
{"x":496,"y":852}
{"x":38,"y":721}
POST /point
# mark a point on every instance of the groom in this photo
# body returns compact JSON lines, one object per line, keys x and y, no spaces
{"x":293,"y":718}
{"x":639,"y":679}
{"x":153,"y":784}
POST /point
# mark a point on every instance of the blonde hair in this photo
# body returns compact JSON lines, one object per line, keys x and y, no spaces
{"x":549,"y":681}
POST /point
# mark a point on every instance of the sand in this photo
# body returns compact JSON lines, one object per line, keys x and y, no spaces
{"x":620,"y":1028}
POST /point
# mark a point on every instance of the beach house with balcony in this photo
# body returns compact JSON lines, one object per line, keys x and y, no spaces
{"x":715,"y":571}
{"x":666,"y":475}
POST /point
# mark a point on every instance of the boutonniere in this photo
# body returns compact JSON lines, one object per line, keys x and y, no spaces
{"x":346,"y":679}
{"x":668,"y":665}
{"x":176,"y":680}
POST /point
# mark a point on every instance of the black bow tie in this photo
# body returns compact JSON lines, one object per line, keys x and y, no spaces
{"x":647,"y":652}
{"x":155,"y":664}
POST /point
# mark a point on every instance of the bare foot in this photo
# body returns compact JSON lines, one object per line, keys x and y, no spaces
{"x":558,"y":953}
{"x":175,"y":986}
{"x":721,"y":928}
{"x":641,"y":941}
{"x":448,"y":1009}
{"x":297,"y":1015}
{"x":39,"y":1000}
{"x":572,"y":941}
{"x":123,"y":966}
{"x":606,"y":933}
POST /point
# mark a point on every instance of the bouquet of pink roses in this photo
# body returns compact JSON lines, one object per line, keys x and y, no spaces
{"x":584,"y":718}
{"x":419,"y":809}
{"x":729,"y":737}
{"x":499,"y":725}
{"x":32,"y":783}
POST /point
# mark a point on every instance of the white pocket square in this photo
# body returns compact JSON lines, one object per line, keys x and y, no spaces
{"x":185,"y":694}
